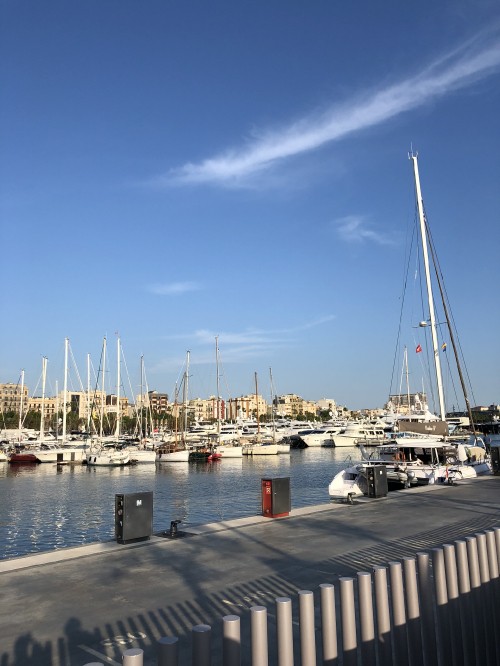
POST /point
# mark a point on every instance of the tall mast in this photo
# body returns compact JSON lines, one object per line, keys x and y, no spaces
{"x":118,"y":379}
{"x":57,"y":411}
{"x":21,"y":406}
{"x":185,"y":396}
{"x":65,"y":389}
{"x":432,"y":316}
{"x":272,"y":403}
{"x":88,"y":395}
{"x":42,"y":415}
{"x":407,"y":380}
{"x":218,"y":382}
{"x":143,"y":432}
{"x":103,"y":393}
{"x":453,"y":344}
{"x":257,"y":404}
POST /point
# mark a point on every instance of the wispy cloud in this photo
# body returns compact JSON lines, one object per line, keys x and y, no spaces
{"x":476,"y":59}
{"x":238,"y":346}
{"x":356,"y":229}
{"x":173,"y":288}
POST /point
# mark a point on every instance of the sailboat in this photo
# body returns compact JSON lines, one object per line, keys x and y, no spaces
{"x":176,"y":451}
{"x":62,"y":452}
{"x":27,"y":455}
{"x":224,"y":445}
{"x":423,"y":461}
{"x":101,"y":455}
{"x":260,"y":444}
{"x":282,"y":444}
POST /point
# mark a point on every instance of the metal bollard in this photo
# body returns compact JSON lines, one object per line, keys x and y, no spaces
{"x":329,"y":625}
{"x":495,"y":584}
{"x":366,"y":620}
{"x":231,"y":640}
{"x":478,"y":618}
{"x":398,"y":613}
{"x":202,"y":645}
{"x":442,"y":609}
{"x":284,"y":631}
{"x":258,"y":628}
{"x":427,"y":605}
{"x":307,"y":630}
{"x":348,"y":616}
{"x":168,"y":651}
{"x":465,"y":602}
{"x":413,"y":612}
{"x":133,"y":657}
{"x":486,"y":598}
{"x":496,"y":530}
{"x":450,"y":565}
{"x":384,"y":633}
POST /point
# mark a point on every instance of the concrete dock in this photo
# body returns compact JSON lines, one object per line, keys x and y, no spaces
{"x":89,"y":604}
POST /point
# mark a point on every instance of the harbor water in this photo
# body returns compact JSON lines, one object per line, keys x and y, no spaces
{"x":47,"y":507}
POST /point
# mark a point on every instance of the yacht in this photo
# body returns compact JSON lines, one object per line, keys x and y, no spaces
{"x":359,"y":433}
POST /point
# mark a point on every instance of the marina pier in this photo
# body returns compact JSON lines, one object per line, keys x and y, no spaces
{"x":92,"y":603}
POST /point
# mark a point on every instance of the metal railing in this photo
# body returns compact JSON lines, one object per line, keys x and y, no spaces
{"x":437,"y":608}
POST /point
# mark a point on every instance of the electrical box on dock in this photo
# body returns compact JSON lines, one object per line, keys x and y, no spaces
{"x":376,"y":477}
{"x":276,"y":500}
{"x":495,"y":459}
{"x":133,"y":516}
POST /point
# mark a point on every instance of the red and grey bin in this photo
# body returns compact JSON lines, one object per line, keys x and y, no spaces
{"x":276,"y":497}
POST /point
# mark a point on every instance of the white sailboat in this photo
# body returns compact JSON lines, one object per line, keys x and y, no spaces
{"x":424,"y":459}
{"x":176,"y":451}
{"x":226,"y":445}
{"x":99,"y":454}
{"x":63,"y":452}
{"x":260,"y":445}
{"x":282,"y":444}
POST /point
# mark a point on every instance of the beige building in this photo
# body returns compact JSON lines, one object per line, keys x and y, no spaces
{"x":292,"y":406}
{"x":50,"y":405}
{"x":246,"y":407}
{"x":327,"y":405}
{"x":10,"y":397}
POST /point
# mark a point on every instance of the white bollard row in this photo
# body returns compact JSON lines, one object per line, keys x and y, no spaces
{"x":434,"y":609}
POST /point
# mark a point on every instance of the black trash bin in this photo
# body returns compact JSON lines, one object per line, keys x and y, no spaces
{"x":276,"y":501}
{"x":376,"y":477}
{"x":133,"y":516}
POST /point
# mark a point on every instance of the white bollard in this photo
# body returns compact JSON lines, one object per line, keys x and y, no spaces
{"x":284,"y":631}
{"x":133,"y":657}
{"x":328,"y":624}
{"x":258,"y":627}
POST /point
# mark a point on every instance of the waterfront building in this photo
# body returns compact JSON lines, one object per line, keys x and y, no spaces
{"x":246,"y":407}
{"x":205,"y":409}
{"x":293,"y":406}
{"x":10,"y":397}
{"x":327,"y":405}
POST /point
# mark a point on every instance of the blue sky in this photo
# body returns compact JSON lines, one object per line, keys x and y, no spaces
{"x":173,"y":171}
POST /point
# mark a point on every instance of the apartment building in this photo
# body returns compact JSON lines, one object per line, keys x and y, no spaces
{"x":10,"y":397}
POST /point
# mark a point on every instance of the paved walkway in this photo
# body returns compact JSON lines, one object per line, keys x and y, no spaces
{"x":90,"y":603}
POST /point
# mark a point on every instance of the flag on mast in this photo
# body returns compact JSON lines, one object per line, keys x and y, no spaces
{"x":418,"y":349}
{"x":443,"y":346}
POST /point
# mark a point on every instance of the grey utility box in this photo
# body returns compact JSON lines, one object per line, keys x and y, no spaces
{"x":495,"y":459}
{"x":376,"y":477}
{"x":133,"y":516}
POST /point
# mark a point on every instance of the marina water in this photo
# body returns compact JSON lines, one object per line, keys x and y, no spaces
{"x":47,"y":507}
